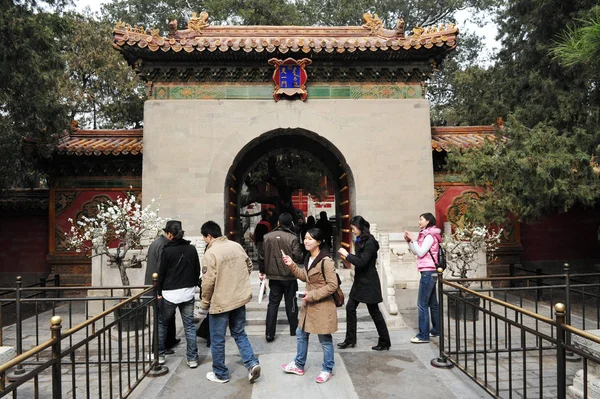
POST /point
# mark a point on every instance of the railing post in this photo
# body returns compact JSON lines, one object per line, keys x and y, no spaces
{"x":57,"y":284}
{"x":561,"y":366}
{"x":570,"y":356}
{"x":441,"y":361}
{"x":538,"y":283}
{"x":157,"y":370}
{"x":43,"y":285}
{"x":55,"y":328}
{"x":19,"y":324}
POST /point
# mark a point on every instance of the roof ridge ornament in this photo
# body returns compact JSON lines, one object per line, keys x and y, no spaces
{"x":399,"y":29}
{"x":372,"y":22}
{"x":198,"y":22}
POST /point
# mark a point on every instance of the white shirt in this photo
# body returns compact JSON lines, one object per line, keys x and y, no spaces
{"x":422,"y":250}
{"x":179,"y":295}
{"x":310,"y":262}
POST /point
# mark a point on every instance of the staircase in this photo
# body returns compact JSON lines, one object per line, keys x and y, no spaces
{"x":256,"y":313}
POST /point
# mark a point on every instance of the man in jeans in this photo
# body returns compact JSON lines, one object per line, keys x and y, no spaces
{"x":177,"y":278}
{"x":226,"y":290}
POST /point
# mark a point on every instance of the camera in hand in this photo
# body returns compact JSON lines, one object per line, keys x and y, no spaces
{"x":300,"y":294}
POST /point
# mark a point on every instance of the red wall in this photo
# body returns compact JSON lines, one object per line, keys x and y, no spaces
{"x":24,"y":244}
{"x":562,"y":236}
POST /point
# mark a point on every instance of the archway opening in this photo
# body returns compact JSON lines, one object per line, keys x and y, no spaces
{"x":324,"y":156}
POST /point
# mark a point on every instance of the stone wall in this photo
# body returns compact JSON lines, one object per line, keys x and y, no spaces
{"x":190,"y":146}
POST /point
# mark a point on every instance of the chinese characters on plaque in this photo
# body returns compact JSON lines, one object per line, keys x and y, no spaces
{"x":290,"y":77}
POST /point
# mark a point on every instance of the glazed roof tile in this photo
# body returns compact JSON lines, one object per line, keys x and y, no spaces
{"x":101,"y":142}
{"x":123,"y":142}
{"x":200,"y":37}
{"x":443,"y":138}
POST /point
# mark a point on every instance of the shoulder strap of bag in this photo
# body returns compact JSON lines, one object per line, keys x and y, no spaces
{"x":430,"y":254}
{"x":323,"y":270}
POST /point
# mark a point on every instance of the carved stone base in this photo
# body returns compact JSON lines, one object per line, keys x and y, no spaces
{"x":593,"y":369}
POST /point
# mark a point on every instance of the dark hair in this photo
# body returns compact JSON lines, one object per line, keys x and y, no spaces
{"x":365,"y":229}
{"x":264,"y":214}
{"x":174,"y":227}
{"x":361,"y":223}
{"x":318,"y":235}
{"x":285,"y":220}
{"x":211,"y":228}
{"x":310,"y":222}
{"x":323,"y":215}
{"x":430,"y":219}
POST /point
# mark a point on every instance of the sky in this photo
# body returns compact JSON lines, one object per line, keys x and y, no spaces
{"x":463,"y":17}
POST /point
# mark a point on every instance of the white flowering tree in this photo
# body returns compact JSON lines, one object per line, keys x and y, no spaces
{"x":464,"y":249}
{"x":117,"y":228}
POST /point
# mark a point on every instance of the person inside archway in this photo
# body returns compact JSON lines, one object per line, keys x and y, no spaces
{"x":366,"y":287}
{"x":324,"y":225}
{"x":263,"y":227}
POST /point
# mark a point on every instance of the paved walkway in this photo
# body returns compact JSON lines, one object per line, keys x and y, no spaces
{"x":402,"y":372}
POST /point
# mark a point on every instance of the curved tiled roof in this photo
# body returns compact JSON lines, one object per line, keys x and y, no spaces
{"x":199,"y":37}
{"x":444,"y":138}
{"x":117,"y":142}
{"x":101,"y":142}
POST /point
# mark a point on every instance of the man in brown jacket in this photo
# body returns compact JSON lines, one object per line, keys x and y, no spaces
{"x":226,"y":290}
{"x":282,"y":282}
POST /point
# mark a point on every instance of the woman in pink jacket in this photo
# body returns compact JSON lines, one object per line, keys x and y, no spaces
{"x":426,"y":247}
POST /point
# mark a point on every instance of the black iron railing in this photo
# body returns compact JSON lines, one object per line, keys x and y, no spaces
{"x":514,"y":336}
{"x":105,"y":355}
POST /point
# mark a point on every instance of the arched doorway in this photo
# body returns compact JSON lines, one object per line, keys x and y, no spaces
{"x":298,"y":140}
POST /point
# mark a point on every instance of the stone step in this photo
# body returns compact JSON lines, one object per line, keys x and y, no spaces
{"x":259,"y":317}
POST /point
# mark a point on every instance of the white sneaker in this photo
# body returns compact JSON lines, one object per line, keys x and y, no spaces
{"x":192,"y":363}
{"x":254,"y":373}
{"x":324,"y":377}
{"x":212,"y":377}
{"x":417,"y":340}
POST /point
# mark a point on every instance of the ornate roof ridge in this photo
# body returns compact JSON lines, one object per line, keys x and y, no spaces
{"x":201,"y":36}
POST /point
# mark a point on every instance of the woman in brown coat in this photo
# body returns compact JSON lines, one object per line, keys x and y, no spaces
{"x":318,"y":314}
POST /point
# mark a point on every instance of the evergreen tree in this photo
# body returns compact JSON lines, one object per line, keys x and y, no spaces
{"x":30,"y":65}
{"x":542,"y":160}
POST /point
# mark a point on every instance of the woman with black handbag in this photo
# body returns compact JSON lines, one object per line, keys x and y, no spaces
{"x":366,"y":287}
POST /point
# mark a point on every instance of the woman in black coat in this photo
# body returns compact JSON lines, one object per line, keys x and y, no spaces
{"x":366,"y":287}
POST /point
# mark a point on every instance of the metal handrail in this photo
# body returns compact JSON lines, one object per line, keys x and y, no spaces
{"x":26,"y":355}
{"x":500,"y":302}
{"x":101,"y":315}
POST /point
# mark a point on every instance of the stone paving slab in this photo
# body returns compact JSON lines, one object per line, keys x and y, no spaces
{"x":403,"y":372}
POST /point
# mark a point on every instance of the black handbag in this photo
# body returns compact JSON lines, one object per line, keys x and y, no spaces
{"x":441,"y":262}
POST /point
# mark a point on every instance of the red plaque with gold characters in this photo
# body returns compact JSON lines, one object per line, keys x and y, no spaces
{"x":290,"y":77}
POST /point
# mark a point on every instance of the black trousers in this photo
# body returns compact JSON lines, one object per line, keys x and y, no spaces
{"x":382,"y":330}
{"x":286,"y":289}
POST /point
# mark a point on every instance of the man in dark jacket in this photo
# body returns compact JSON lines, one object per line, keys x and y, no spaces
{"x":153,"y":262}
{"x":177,"y":279}
{"x":281,"y":281}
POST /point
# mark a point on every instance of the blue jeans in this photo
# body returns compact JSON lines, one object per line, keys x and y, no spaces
{"x":218,"y":326}
{"x":427,"y":302}
{"x":165,"y":313}
{"x":326,"y":341}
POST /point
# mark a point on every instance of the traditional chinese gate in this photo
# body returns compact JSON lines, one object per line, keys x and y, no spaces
{"x":356,"y":91}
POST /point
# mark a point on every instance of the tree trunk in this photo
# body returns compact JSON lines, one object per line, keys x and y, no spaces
{"x":124,"y":277}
